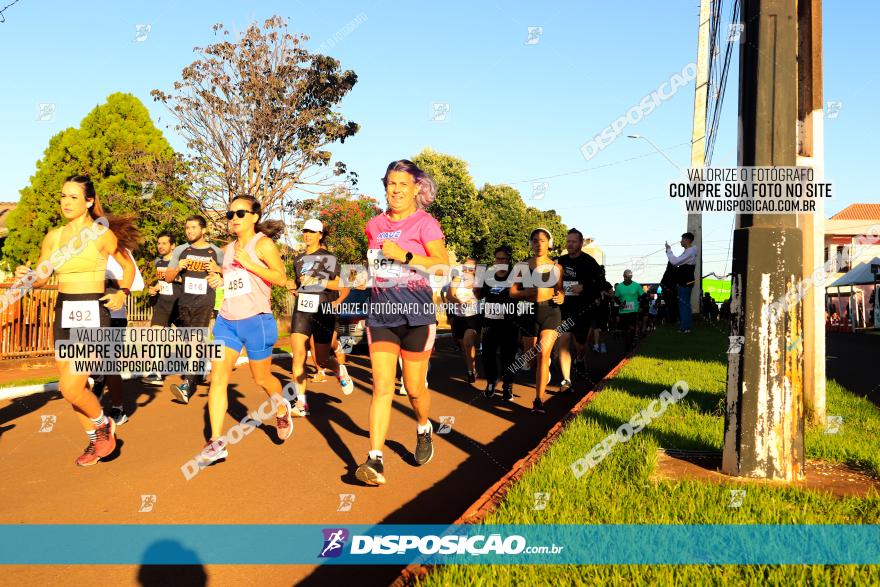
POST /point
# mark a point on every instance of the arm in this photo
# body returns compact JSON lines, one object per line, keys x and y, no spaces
{"x":45,"y":254}
{"x":437,"y":254}
{"x":110,"y":245}
{"x":175,"y":266}
{"x":517,"y":291}
{"x":689,"y":254}
{"x":558,"y":287}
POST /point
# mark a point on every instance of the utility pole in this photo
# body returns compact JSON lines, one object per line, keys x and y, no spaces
{"x":764,"y":421}
{"x":698,"y":142}
{"x":811,"y":152}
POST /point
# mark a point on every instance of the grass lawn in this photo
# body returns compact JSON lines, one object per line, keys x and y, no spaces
{"x":30,"y":381}
{"x":619,"y":490}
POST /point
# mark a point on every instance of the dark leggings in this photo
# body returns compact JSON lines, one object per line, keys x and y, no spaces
{"x":503,"y":335}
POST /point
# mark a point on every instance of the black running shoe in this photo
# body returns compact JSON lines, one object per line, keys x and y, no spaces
{"x":372,"y":472}
{"x":119,"y":416}
{"x":424,"y":448}
{"x":538,"y":407}
{"x":508,"y":392}
{"x":565,"y":386}
{"x":490,"y":391}
{"x":471,"y":377}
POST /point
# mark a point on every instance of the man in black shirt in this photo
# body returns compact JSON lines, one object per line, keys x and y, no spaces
{"x":163,"y":295}
{"x":192,"y":262}
{"x":581,"y":284}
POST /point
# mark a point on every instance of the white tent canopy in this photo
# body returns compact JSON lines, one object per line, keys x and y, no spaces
{"x":858,"y":275}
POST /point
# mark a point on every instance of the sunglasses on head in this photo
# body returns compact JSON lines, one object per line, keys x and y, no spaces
{"x":239,"y":213}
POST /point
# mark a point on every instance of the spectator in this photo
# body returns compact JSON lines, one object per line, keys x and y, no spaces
{"x":685,"y":264}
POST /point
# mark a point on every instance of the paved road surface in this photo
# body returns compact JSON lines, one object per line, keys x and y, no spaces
{"x":263,"y":481}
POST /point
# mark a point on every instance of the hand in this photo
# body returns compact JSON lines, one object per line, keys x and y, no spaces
{"x":213,"y":267}
{"x":154,"y":289}
{"x":183,"y":264}
{"x":576,"y":288}
{"x":22,"y":270}
{"x":290,"y":285}
{"x":215,"y":280}
{"x":243,"y":258}
{"x":668,"y":248}
{"x":114,"y":301}
{"x":559,"y":297}
{"x":393,"y":251}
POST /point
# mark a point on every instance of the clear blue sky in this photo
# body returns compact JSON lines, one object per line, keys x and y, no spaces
{"x":518,"y":112}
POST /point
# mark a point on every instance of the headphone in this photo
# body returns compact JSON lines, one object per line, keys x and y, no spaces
{"x":547,"y":232}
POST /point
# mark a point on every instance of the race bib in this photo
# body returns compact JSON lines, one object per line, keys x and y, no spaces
{"x":307,"y":303}
{"x":166,"y":289}
{"x":195,"y":285}
{"x":82,"y":314}
{"x":567,"y":285}
{"x":382,"y":266}
{"x":493,"y":311}
{"x":236,"y":283}
{"x":629,"y":306}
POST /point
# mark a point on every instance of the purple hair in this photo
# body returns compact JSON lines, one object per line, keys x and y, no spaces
{"x":427,"y":187}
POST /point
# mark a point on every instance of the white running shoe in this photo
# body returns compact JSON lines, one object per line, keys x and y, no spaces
{"x":345,"y":381}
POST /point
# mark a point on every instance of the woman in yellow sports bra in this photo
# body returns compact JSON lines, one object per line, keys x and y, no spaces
{"x":77,"y":252}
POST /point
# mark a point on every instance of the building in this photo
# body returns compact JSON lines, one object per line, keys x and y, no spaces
{"x":841,"y":232}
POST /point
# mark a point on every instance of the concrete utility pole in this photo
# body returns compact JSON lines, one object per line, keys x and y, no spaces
{"x":811,"y":152}
{"x":764,"y":421}
{"x":698,"y":142}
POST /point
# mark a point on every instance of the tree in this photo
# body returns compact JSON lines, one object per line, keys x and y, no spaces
{"x":456,"y":206}
{"x":258,"y":116}
{"x":133,"y":167}
{"x":345,"y":219}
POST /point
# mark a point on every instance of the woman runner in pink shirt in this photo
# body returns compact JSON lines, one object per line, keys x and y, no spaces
{"x":251,"y":264}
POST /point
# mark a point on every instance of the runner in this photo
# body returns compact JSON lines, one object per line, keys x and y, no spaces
{"x":628,"y":293}
{"x":251,"y":265}
{"x":164,"y":296}
{"x":581,"y":284}
{"x":403,"y":243}
{"x":466,"y":321}
{"x":315,"y":284}
{"x":539,"y":280}
{"x":502,"y":332}
{"x":196,"y":303}
{"x":79,"y":252}
{"x":118,"y":319}
{"x":602,"y":315}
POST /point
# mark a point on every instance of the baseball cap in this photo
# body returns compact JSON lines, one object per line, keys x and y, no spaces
{"x":313,"y":224}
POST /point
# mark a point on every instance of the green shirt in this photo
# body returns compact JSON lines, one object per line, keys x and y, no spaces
{"x":629,"y":295}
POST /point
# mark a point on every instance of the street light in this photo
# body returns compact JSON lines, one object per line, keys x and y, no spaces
{"x":658,"y":149}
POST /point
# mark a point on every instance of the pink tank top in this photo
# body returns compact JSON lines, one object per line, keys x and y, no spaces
{"x":244,"y":294}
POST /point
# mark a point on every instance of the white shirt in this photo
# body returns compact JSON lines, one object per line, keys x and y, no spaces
{"x":687,"y":257}
{"x":114,"y":272}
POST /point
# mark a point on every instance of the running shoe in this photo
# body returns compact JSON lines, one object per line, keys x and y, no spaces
{"x":603,"y":349}
{"x":490,"y":391}
{"x":565,"y":386}
{"x":105,"y":438}
{"x":181,"y":392}
{"x":88,"y":457}
{"x":119,"y":416}
{"x":154,"y":379}
{"x":213,"y":451}
{"x":300,"y":409}
{"x":402,"y":389}
{"x":424,"y":448}
{"x":538,"y":407}
{"x":596,"y":348}
{"x":372,"y":472}
{"x":345,"y":381}
{"x":508,"y":392}
{"x":471,"y":377}
{"x":284,"y":424}
{"x":319,"y":377}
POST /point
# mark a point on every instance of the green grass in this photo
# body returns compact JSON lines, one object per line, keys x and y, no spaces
{"x":619,"y":490}
{"x":30,"y":381}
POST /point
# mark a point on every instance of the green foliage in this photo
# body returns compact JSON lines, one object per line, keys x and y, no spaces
{"x":456,"y":207}
{"x":345,"y":219}
{"x":118,"y":146}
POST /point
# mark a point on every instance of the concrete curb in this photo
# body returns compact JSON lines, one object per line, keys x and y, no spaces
{"x":7,"y":393}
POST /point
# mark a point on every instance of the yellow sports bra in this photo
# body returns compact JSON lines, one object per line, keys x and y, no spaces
{"x":88,"y":265}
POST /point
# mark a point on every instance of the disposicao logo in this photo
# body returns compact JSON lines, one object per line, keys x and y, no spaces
{"x":334,"y":540}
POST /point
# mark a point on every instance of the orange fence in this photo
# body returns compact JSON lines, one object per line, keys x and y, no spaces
{"x":26,"y":325}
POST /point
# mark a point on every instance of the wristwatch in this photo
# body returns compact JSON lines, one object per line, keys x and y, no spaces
{"x":408,"y":257}
{"x":126,"y":291}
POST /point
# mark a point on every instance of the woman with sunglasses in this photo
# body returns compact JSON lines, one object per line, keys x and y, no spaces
{"x":539,"y":280}
{"x":404,"y":244}
{"x":77,"y":252}
{"x":502,"y":331}
{"x":316,"y":285}
{"x":251,"y":265}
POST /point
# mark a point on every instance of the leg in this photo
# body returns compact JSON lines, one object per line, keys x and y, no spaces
{"x":564,"y":349}
{"x":73,"y":387}
{"x":384,"y":365}
{"x":490,"y":360}
{"x":261,"y":371}
{"x":218,"y":401}
{"x":469,"y":350}
{"x":548,"y":338}
{"x":298,"y":343}
{"x":414,"y":376}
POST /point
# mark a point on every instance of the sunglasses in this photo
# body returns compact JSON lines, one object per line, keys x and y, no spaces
{"x":239,"y":213}
{"x":307,"y":231}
